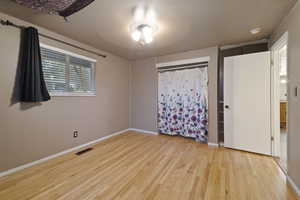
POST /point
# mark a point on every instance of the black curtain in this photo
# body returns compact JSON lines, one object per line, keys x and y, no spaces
{"x":31,"y":80}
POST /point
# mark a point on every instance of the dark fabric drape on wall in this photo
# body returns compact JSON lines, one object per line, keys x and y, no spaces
{"x":64,"y":8}
{"x":31,"y":80}
{"x":75,"y":7}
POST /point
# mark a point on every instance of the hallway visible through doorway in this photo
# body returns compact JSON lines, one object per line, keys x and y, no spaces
{"x":280,"y":101}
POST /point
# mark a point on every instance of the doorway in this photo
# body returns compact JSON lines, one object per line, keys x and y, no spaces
{"x":280,"y":101}
{"x":247,"y":102}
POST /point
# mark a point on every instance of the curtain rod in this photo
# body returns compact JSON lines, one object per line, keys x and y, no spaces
{"x":9,"y":23}
{"x":182,"y":67}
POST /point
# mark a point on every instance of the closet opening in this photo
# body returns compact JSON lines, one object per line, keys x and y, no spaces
{"x":183,"y":100}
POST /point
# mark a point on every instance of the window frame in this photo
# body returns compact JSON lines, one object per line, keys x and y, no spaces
{"x":93,"y":73}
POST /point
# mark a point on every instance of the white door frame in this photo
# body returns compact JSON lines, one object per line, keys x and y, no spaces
{"x":275,"y":93}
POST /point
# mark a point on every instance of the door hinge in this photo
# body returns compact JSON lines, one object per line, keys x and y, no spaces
{"x":272,"y":138}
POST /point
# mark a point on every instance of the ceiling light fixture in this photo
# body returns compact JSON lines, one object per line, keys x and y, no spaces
{"x":255,"y":31}
{"x":143,"y":34}
{"x":143,"y":27}
{"x":283,"y":81}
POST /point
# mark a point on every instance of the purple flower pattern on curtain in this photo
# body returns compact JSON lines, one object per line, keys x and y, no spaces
{"x":63,"y":8}
{"x":183,"y":103}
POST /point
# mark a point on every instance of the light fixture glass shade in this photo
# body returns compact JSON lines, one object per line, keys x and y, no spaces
{"x":139,"y":14}
{"x":283,"y":81}
{"x":255,"y":31}
{"x":150,"y":17}
{"x":147,"y":34}
{"x":136,"y":35}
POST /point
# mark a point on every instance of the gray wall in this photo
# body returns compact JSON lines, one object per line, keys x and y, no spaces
{"x":144,"y":95}
{"x":28,"y":134}
{"x":144,"y":90}
{"x":292,"y":24}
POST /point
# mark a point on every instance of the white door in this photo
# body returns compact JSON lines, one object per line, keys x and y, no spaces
{"x":247,"y":102}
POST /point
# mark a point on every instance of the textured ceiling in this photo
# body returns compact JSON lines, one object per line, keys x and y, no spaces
{"x":183,"y":25}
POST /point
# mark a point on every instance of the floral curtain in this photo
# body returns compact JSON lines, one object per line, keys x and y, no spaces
{"x":183,"y":103}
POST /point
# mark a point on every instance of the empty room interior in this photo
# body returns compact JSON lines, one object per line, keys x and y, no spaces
{"x":149,"y":99}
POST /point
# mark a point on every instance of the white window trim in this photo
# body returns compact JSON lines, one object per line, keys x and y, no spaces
{"x":74,"y":94}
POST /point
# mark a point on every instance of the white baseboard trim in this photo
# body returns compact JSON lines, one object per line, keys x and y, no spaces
{"x":143,"y":131}
{"x":221,"y":144}
{"x":213,"y":144}
{"x":10,"y":171}
{"x":293,"y":184}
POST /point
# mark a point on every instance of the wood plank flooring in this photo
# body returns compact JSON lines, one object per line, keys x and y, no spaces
{"x":137,"y":166}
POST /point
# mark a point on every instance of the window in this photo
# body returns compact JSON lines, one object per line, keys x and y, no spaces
{"x":68,"y":74}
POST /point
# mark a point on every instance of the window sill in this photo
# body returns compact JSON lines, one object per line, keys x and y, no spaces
{"x":70,"y":94}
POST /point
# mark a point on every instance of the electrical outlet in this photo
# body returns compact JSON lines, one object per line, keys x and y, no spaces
{"x":75,"y":134}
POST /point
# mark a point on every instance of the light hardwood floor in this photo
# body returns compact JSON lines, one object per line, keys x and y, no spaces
{"x":138,"y":166}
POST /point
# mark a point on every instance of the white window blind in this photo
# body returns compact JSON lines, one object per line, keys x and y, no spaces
{"x":67,"y":75}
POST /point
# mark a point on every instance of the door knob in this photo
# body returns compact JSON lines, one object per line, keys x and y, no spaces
{"x":227,"y":106}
